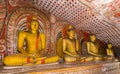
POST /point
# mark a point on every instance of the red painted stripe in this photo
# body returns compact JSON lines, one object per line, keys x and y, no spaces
{"x":37,"y":40}
{"x":43,"y":61}
{"x":28,"y":59}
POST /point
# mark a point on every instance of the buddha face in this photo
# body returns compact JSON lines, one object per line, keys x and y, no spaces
{"x":71,"y":34}
{"x":93,"y":38}
{"x":34,"y":25}
{"x":109,"y":45}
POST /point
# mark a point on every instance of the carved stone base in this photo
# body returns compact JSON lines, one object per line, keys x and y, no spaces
{"x":82,"y":68}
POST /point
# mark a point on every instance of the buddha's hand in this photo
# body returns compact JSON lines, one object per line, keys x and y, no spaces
{"x":24,"y":52}
{"x":99,"y":55}
{"x":77,"y":56}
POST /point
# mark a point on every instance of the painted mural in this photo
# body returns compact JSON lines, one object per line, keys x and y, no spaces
{"x":3,"y":12}
{"x":108,"y":9}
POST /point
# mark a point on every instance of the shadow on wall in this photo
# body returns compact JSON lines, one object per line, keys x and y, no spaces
{"x":117,"y":52}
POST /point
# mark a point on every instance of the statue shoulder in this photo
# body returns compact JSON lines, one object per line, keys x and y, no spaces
{"x":88,"y":42}
{"x":60,"y":47}
{"x":64,"y":39}
{"x":76,"y":40}
{"x":109,"y":49}
{"x":22,"y":33}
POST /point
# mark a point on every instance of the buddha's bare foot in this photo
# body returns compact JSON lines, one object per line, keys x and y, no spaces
{"x":39,"y":58}
{"x":38,"y":62}
{"x":83,"y":59}
{"x":86,"y":59}
{"x":42,"y":61}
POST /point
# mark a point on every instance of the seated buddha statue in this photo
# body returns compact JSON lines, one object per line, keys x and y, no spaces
{"x":35,"y":44}
{"x":109,"y":51}
{"x":70,"y":46}
{"x":93,"y":49}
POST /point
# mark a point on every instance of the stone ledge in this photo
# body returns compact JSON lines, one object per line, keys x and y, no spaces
{"x":82,"y":68}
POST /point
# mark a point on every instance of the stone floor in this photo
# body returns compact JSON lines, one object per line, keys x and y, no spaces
{"x":55,"y":68}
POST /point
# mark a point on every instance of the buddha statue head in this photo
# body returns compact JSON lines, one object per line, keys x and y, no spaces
{"x":71,"y":32}
{"x":34,"y":24}
{"x":92,"y":37}
{"x":109,"y":45}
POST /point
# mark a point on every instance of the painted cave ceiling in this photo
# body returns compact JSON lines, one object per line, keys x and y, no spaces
{"x":100,"y":17}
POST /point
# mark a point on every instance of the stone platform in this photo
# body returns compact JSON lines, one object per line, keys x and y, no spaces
{"x":81,"y":68}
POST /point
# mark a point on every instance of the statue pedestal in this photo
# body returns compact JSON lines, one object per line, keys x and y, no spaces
{"x":83,"y":68}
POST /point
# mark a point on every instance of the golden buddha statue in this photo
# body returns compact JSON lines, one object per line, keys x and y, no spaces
{"x":70,"y":46}
{"x":93,"y":49}
{"x":109,"y":51}
{"x":67,"y":48}
{"x":35,"y":43}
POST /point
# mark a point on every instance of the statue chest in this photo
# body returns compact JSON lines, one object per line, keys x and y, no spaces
{"x":71,"y":45}
{"x":93,"y":48}
{"x":109,"y":52}
{"x":31,"y":38}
